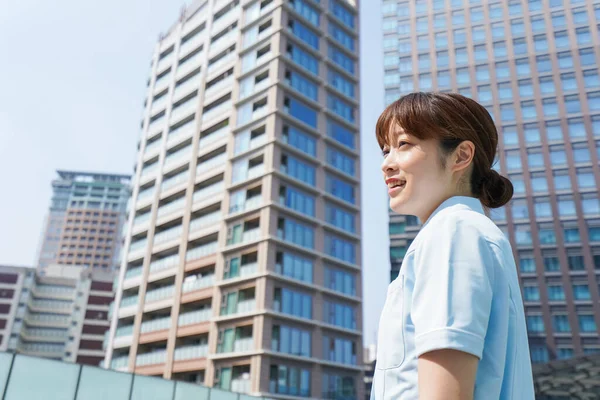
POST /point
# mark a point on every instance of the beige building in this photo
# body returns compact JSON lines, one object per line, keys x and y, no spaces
{"x":242,"y":262}
{"x":62,"y":314}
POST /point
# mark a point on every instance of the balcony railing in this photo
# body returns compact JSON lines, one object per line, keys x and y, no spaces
{"x":201,"y":283}
{"x":169,"y":234}
{"x":158,"y":324}
{"x":205,"y":220}
{"x":156,"y":357}
{"x":246,"y":306}
{"x":138,"y":245}
{"x":220,"y":109}
{"x":58,"y":319}
{"x":208,"y":191}
{"x":192,"y":43}
{"x":141,"y":219}
{"x":129,"y":301}
{"x":175,"y":180}
{"x":184,"y":110}
{"x":133,"y":272}
{"x":171,"y":207}
{"x":255,"y":171}
{"x":207,"y":165}
{"x":189,"y":65}
{"x":219,"y":134}
{"x":194,"y":317}
{"x":145,"y":194}
{"x":160,"y":293}
{"x":164,"y":263}
{"x":152,"y":147}
{"x":191,"y":352}
{"x":124,"y":331}
{"x":227,"y":82}
{"x":48,"y":334}
{"x":249,"y":204}
{"x":119,"y":362}
{"x":240,"y":385}
{"x":177,"y":157}
{"x":186,"y":87}
{"x":222,"y":42}
{"x":202,"y":251}
{"x":243,"y":344}
{"x":184,"y":131}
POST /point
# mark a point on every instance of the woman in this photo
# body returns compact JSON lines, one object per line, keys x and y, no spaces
{"x":453,"y":325}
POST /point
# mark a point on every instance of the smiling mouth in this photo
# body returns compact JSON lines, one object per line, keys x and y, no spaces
{"x":396,"y":184}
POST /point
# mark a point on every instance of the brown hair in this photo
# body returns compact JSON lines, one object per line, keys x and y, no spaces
{"x":452,"y":118}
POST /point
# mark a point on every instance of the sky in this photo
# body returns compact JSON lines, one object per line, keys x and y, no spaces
{"x":72,"y":86}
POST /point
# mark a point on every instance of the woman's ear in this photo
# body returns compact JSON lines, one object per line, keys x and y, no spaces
{"x":463,"y":155}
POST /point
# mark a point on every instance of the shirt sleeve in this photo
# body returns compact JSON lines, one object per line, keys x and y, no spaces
{"x":452,"y":296}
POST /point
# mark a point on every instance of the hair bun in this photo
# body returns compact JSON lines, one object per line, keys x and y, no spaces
{"x":496,"y":190}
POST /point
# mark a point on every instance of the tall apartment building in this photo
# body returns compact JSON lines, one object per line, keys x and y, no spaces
{"x":61,"y":314}
{"x":85,"y":220}
{"x":241,"y":268}
{"x":534,"y":66}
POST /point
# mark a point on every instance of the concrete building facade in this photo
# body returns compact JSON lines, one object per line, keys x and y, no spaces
{"x":85,"y":220}
{"x":534,"y":66}
{"x":241,"y":268}
{"x":62,"y":314}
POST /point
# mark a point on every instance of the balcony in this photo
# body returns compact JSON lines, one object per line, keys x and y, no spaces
{"x":246,"y":306}
{"x":251,"y":173}
{"x":124,"y":331}
{"x":152,"y":148}
{"x":175,"y":180}
{"x":165,"y":62}
{"x":160,"y":293}
{"x":171,"y":207}
{"x":119,"y":362}
{"x":156,"y":126}
{"x":216,"y":111}
{"x":187,"y":87}
{"x":225,"y":83}
{"x":51,"y":305}
{"x":168,"y":234}
{"x":226,"y":19}
{"x":243,"y":344}
{"x":134,"y":247}
{"x":211,"y":163}
{"x":194,"y":317}
{"x":251,"y":235}
{"x":240,"y":385}
{"x":201,"y":283}
{"x":154,"y":325}
{"x":164,"y":263}
{"x":178,"y":157}
{"x":156,"y":357}
{"x":208,"y":191}
{"x":149,"y":172}
{"x":45,"y":335}
{"x":133,"y":272}
{"x":141,"y":220}
{"x":159,"y":104}
{"x":129,"y":301}
{"x":255,"y":11}
{"x":190,"y":65}
{"x":245,"y":145}
{"x":191,"y":352}
{"x":162,"y":83}
{"x":215,"y":136}
{"x":192,"y":43}
{"x":223,"y":42}
{"x":217,"y":65}
{"x":250,"y":204}
{"x":184,"y":110}
{"x":49,"y":349}
{"x":201,"y":251}
{"x":48,"y":319}
{"x":144,"y":196}
{"x":205,"y":221}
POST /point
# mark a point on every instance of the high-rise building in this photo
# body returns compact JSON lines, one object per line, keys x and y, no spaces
{"x":241,"y":268}
{"x":85,"y":220}
{"x":534,"y":66}
{"x":61,"y":314}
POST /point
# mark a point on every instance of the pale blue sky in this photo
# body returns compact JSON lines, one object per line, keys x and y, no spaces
{"x":73,"y":83}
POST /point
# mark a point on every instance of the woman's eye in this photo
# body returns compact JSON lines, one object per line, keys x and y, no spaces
{"x":400,"y":144}
{"x":385,"y":152}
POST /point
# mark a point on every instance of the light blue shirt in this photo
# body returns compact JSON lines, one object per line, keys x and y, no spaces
{"x":457,"y":289}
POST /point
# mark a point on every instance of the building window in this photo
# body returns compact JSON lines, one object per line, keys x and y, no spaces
{"x":293,"y":303}
{"x":527,"y":265}
{"x":587,"y":323}
{"x":556,"y":293}
{"x":528,"y":110}
{"x":531,"y":293}
{"x":558,"y":156}
{"x":539,"y":183}
{"x":543,"y":208}
{"x":591,"y":79}
{"x":510,"y":135}
{"x":502,"y":70}
{"x":539,"y":354}
{"x":495,"y":10}
{"x":594,"y":101}
{"x":581,"y":292}
{"x":583,"y":36}
{"x":575,"y":262}
{"x":560,"y":323}
{"x":523,"y":68}
{"x":561,"y":39}
{"x":580,"y":16}
{"x":571,"y":235}
{"x":535,"y":323}
{"x":517,"y":27}
{"x":520,"y":46}
{"x":507,"y":112}
{"x":340,"y":248}
{"x":585,"y":178}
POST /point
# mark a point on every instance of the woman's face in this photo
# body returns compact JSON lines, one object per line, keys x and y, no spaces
{"x":417,"y":183}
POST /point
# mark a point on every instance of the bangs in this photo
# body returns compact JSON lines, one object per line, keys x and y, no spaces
{"x":416,"y":114}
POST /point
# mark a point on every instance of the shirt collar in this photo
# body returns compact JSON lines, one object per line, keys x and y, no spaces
{"x":462,"y":202}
